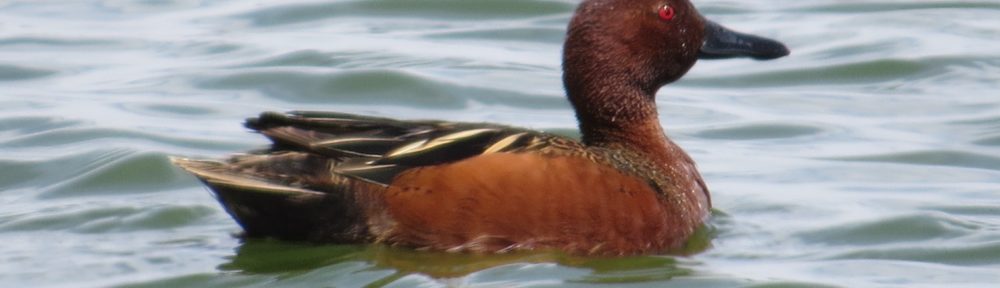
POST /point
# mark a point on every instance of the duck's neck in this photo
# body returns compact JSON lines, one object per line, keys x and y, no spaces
{"x":615,"y":115}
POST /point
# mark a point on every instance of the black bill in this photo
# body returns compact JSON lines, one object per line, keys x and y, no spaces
{"x":721,"y":43}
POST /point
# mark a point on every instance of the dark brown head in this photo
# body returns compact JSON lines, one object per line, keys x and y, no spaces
{"x":618,"y":53}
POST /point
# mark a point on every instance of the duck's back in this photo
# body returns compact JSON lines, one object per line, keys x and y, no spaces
{"x":343,"y":178}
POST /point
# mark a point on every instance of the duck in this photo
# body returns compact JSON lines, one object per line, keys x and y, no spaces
{"x":622,"y":188}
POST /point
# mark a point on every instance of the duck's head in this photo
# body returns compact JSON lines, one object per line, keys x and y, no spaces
{"x":618,"y":53}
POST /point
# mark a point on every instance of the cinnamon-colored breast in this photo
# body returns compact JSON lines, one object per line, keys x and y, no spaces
{"x":505,"y":201}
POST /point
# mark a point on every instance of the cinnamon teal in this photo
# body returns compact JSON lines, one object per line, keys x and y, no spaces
{"x":623,"y":188}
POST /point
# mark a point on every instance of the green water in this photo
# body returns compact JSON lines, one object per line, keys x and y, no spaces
{"x":868,"y":158}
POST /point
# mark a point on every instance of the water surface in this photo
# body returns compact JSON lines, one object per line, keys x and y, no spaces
{"x":868,"y":158}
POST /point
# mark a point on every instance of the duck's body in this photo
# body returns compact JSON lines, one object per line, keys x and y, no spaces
{"x":624,"y":189}
{"x":463,"y":186}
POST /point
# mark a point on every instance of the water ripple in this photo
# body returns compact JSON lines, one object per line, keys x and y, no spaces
{"x":97,"y":172}
{"x":392,"y":87}
{"x":90,"y":135}
{"x":121,"y":172}
{"x":13,"y":72}
{"x":950,"y":158}
{"x":900,"y":229}
{"x":304,"y":58}
{"x":437,"y":9}
{"x":964,"y":254}
{"x":989,"y":141}
{"x":49,"y":42}
{"x":21,"y":125}
{"x":544,"y":35}
{"x":104,"y":219}
{"x":878,"y":7}
{"x":864,"y":72}
{"x":759,"y":131}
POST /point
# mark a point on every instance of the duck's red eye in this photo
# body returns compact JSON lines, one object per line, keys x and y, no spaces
{"x":667,"y":12}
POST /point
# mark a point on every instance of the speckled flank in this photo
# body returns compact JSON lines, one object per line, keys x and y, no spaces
{"x":509,"y":201}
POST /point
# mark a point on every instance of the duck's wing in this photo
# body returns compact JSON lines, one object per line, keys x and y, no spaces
{"x":315,"y":181}
{"x":375,"y":149}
